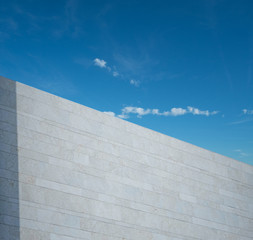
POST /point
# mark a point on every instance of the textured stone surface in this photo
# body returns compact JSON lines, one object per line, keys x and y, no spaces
{"x":69,"y":172}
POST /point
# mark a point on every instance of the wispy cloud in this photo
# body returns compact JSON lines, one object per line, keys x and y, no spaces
{"x":247,"y":111}
{"x":241,"y":121}
{"x":134,"y":83}
{"x":212,"y":22}
{"x":9,"y":23}
{"x":138,"y":64}
{"x":115,"y":74}
{"x":53,"y":81}
{"x":67,"y":21}
{"x":70,"y":22}
{"x":85,"y":62}
{"x":241,"y":153}
{"x":126,"y":111}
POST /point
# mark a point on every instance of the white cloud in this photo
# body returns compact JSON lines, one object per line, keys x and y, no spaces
{"x":247,"y":111}
{"x":177,"y":111}
{"x":196,"y":111}
{"x":100,"y":62}
{"x":135,"y":110}
{"x":135,"y":82}
{"x":110,"y":113}
{"x":126,"y":111}
{"x":155,"y":111}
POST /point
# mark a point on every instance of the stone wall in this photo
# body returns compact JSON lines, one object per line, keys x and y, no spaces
{"x":69,"y":172}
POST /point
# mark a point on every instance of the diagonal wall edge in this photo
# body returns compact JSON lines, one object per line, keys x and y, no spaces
{"x":70,"y":172}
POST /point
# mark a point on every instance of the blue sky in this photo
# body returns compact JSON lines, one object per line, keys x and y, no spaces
{"x":182,"y":68}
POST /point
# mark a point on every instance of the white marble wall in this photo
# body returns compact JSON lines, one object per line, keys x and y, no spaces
{"x":86,"y":175}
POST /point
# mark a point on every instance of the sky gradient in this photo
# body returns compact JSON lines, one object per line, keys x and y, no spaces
{"x":182,"y":68}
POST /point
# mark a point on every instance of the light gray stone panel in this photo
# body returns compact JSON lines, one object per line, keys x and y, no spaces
{"x":70,"y":172}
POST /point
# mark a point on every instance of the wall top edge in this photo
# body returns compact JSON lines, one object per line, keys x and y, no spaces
{"x":9,"y":85}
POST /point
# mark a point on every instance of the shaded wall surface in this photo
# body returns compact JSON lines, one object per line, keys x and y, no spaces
{"x":9,"y":174}
{"x":69,"y":172}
